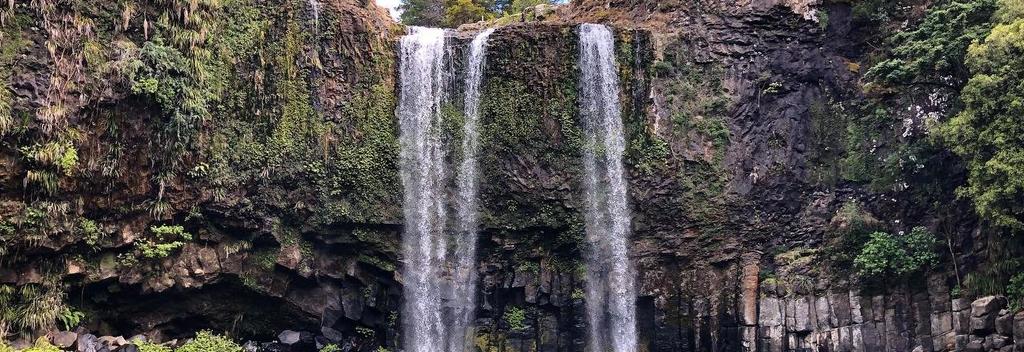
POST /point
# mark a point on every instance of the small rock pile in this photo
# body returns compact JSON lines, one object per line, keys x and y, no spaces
{"x":992,"y":327}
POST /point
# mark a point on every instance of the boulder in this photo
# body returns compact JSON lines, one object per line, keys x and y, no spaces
{"x":275,"y":347}
{"x":87,"y":343}
{"x":250,"y":346}
{"x":976,"y":344}
{"x":63,"y":339}
{"x":983,"y":325}
{"x":1004,"y":323}
{"x":297,"y":340}
{"x":127,"y":348}
{"x":998,"y":341}
{"x":331,"y":334}
{"x":1018,"y":330}
{"x":108,"y":341}
{"x":987,"y":306}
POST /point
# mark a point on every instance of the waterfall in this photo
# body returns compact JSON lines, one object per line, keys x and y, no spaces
{"x":314,"y":6}
{"x":464,"y":277}
{"x":440,"y":292}
{"x":611,"y":291}
{"x":424,"y":244}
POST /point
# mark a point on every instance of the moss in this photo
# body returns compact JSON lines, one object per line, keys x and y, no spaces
{"x":11,"y":43}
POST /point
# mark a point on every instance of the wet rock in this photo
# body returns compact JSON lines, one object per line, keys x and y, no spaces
{"x":127,"y":348}
{"x":997,"y":341}
{"x":1004,"y":323}
{"x":251,"y":346}
{"x":1018,"y":328}
{"x":86,"y":343}
{"x":296,"y":339}
{"x":331,"y":334}
{"x":976,"y":344}
{"x":987,"y":306}
{"x":63,"y":339}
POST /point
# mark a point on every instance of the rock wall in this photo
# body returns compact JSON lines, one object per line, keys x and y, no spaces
{"x":734,"y":115}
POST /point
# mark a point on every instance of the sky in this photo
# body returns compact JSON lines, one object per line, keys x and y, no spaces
{"x":391,"y":5}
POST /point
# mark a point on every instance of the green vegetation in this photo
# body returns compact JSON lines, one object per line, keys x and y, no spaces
{"x":987,"y":133}
{"x":851,"y":228}
{"x":70,"y":318}
{"x":207,"y":341}
{"x":166,"y":239}
{"x":42,"y":345}
{"x":886,"y":256}
{"x":452,"y":13}
{"x":515,"y":318}
{"x":34,"y":307}
{"x":146,"y":346}
{"x":935,"y":49}
{"x":331,"y":348}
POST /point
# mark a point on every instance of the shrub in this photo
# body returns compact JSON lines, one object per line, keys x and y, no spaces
{"x":70,"y":318}
{"x":515,"y":317}
{"x":145,"y":346}
{"x":330,"y":348}
{"x":886,"y":256}
{"x":42,"y":345}
{"x":1015,"y":291}
{"x":207,"y":341}
{"x":849,"y":230}
{"x":167,"y":239}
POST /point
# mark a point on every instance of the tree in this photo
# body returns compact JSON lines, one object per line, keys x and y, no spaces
{"x":458,"y":12}
{"x":989,"y":133}
{"x":428,"y":13}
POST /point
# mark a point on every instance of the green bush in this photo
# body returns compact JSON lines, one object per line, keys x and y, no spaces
{"x":145,"y":346}
{"x":515,"y":317}
{"x":1015,"y":291}
{"x":887,"y":256}
{"x":166,"y":240}
{"x":42,"y":345}
{"x":206,"y":341}
{"x":850,"y":229}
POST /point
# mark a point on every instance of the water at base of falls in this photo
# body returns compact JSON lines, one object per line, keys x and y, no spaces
{"x":440,"y":289}
{"x":610,"y":291}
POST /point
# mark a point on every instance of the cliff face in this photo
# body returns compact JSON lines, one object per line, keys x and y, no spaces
{"x":267,"y":132}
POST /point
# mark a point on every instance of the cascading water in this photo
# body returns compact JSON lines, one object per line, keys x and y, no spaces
{"x":464,"y":276}
{"x":424,"y":243}
{"x":611,"y":292}
{"x":439,"y":291}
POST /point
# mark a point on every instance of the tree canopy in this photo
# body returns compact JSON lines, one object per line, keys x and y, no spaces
{"x":989,"y":132}
{"x":452,"y":13}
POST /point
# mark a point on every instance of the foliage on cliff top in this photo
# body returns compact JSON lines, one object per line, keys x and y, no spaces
{"x":933,"y":52}
{"x":452,"y":13}
{"x":989,"y":132}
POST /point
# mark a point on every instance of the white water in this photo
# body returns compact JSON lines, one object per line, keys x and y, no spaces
{"x":440,"y":292}
{"x":424,"y":243}
{"x":464,"y":277}
{"x":314,"y":6}
{"x":611,"y":291}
